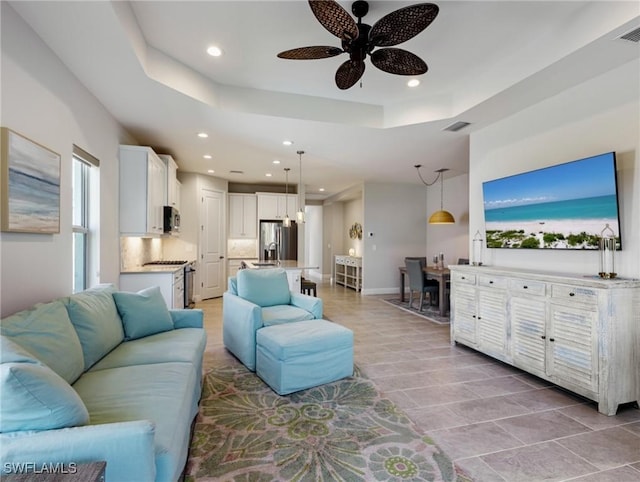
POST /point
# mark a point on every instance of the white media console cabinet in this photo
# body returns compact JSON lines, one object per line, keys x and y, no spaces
{"x":579,"y":332}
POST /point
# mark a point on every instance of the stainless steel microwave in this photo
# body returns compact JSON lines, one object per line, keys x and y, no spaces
{"x":171,"y":220}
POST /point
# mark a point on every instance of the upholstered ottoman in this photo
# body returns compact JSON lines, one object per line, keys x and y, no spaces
{"x":304,"y":354}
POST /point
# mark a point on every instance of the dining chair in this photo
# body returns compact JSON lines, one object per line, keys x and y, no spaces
{"x":419,"y":283}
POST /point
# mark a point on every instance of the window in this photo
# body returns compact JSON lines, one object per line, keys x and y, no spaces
{"x":83,"y":164}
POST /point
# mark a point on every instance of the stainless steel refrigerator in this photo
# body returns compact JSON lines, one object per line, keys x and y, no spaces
{"x":277,"y":242}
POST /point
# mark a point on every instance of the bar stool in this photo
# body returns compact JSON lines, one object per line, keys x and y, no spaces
{"x":307,"y":287}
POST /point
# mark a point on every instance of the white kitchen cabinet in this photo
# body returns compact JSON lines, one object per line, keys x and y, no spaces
{"x":272,"y":206}
{"x":142,"y":191}
{"x":348,"y":271}
{"x":171,"y":284}
{"x":579,"y":332}
{"x":172,"y":195}
{"x":243,"y":219}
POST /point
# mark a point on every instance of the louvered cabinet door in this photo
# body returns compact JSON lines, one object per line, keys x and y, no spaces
{"x":463,"y":313}
{"x":572,"y":349}
{"x":492,"y":322}
{"x":528,"y":338}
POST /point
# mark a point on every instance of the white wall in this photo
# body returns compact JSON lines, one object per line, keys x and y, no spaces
{"x":450,"y":239}
{"x":396,"y":215}
{"x":332,"y":235}
{"x":600,"y":115}
{"x":353,"y":213}
{"x":313,"y":243}
{"x":43,"y":101}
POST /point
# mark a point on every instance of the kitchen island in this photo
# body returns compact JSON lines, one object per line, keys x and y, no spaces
{"x":293,"y":269}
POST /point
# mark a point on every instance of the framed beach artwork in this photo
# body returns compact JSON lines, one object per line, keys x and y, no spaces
{"x":30,"y":174}
{"x":566,"y":206}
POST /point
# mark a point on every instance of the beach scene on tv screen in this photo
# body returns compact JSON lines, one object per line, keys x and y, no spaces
{"x":566,"y":206}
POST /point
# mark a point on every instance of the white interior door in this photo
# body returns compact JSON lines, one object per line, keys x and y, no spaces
{"x":212,"y":244}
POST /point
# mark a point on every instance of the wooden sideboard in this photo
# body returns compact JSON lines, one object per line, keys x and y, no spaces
{"x":579,"y":332}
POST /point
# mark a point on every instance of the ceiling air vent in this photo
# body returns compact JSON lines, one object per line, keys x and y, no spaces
{"x":236,"y":172}
{"x":633,"y":36}
{"x":456,"y":126}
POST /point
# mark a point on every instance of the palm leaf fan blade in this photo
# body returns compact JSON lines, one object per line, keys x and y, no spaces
{"x":398,"y":61}
{"x":349,"y":73}
{"x":403,"y":24}
{"x":310,"y":53}
{"x":334,"y":18}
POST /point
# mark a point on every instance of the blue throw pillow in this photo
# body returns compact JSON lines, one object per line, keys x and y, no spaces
{"x":264,"y":287}
{"x":94,"y":315}
{"x":46,"y":332}
{"x":143,"y":313}
{"x":34,"y":397}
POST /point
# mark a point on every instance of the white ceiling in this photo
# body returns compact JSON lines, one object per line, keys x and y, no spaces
{"x":146,"y":63}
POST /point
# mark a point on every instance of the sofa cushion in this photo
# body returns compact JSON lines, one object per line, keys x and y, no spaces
{"x":264,"y":287}
{"x":232,"y":285}
{"x":163,"y":393}
{"x":46,"y":331}
{"x":143,"y":313}
{"x":95,"y":318}
{"x":275,"y":315}
{"x":34,"y":397}
{"x":11,"y":352}
{"x":185,"y":345}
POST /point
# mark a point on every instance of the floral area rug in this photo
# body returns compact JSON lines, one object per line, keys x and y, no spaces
{"x":431,"y":313}
{"x":342,"y":431}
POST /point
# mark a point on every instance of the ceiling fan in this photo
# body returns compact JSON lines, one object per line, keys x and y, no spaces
{"x":360,"y":39}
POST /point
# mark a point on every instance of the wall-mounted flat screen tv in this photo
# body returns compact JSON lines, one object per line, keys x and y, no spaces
{"x":565,"y":206}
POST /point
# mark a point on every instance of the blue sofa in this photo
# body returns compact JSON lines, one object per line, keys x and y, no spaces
{"x":257,"y":298}
{"x":101,"y":375}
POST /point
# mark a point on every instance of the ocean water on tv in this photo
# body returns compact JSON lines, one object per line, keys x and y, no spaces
{"x":601,"y":207}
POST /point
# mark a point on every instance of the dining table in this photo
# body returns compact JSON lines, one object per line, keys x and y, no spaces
{"x":442,"y":275}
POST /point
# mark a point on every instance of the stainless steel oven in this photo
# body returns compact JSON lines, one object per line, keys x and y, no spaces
{"x":189,"y":278}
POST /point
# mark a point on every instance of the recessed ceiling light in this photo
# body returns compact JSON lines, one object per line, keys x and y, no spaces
{"x":287,"y":143}
{"x":203,"y":135}
{"x":268,"y":174}
{"x":214,"y":51}
{"x":276,"y":161}
{"x":207,"y":156}
{"x":321,"y":189}
{"x":211,"y":171}
{"x":413,"y":83}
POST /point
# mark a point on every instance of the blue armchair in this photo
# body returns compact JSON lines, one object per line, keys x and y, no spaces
{"x":257,"y":298}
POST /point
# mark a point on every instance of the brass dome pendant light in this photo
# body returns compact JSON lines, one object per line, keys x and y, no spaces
{"x":441,"y":216}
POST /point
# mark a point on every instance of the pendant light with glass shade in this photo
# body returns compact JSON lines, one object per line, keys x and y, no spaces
{"x":286,"y":222}
{"x":300,"y":214}
{"x":441,"y":216}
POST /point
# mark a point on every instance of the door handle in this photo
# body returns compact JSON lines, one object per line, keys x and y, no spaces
{"x":221,"y":257}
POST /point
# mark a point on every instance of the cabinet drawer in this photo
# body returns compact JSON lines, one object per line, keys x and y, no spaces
{"x":492,"y":281}
{"x":527,"y":287}
{"x":177,"y":276}
{"x":340,"y":260}
{"x":464,"y":278}
{"x":354,"y":262}
{"x":574,"y":293}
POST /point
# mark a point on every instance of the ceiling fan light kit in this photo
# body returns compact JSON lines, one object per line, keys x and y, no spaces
{"x":359,"y":39}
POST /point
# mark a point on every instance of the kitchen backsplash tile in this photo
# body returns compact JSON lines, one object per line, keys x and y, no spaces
{"x":242,"y":248}
{"x":138,"y":251}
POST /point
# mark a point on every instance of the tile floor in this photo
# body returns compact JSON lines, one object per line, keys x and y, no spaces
{"x":497,"y":422}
